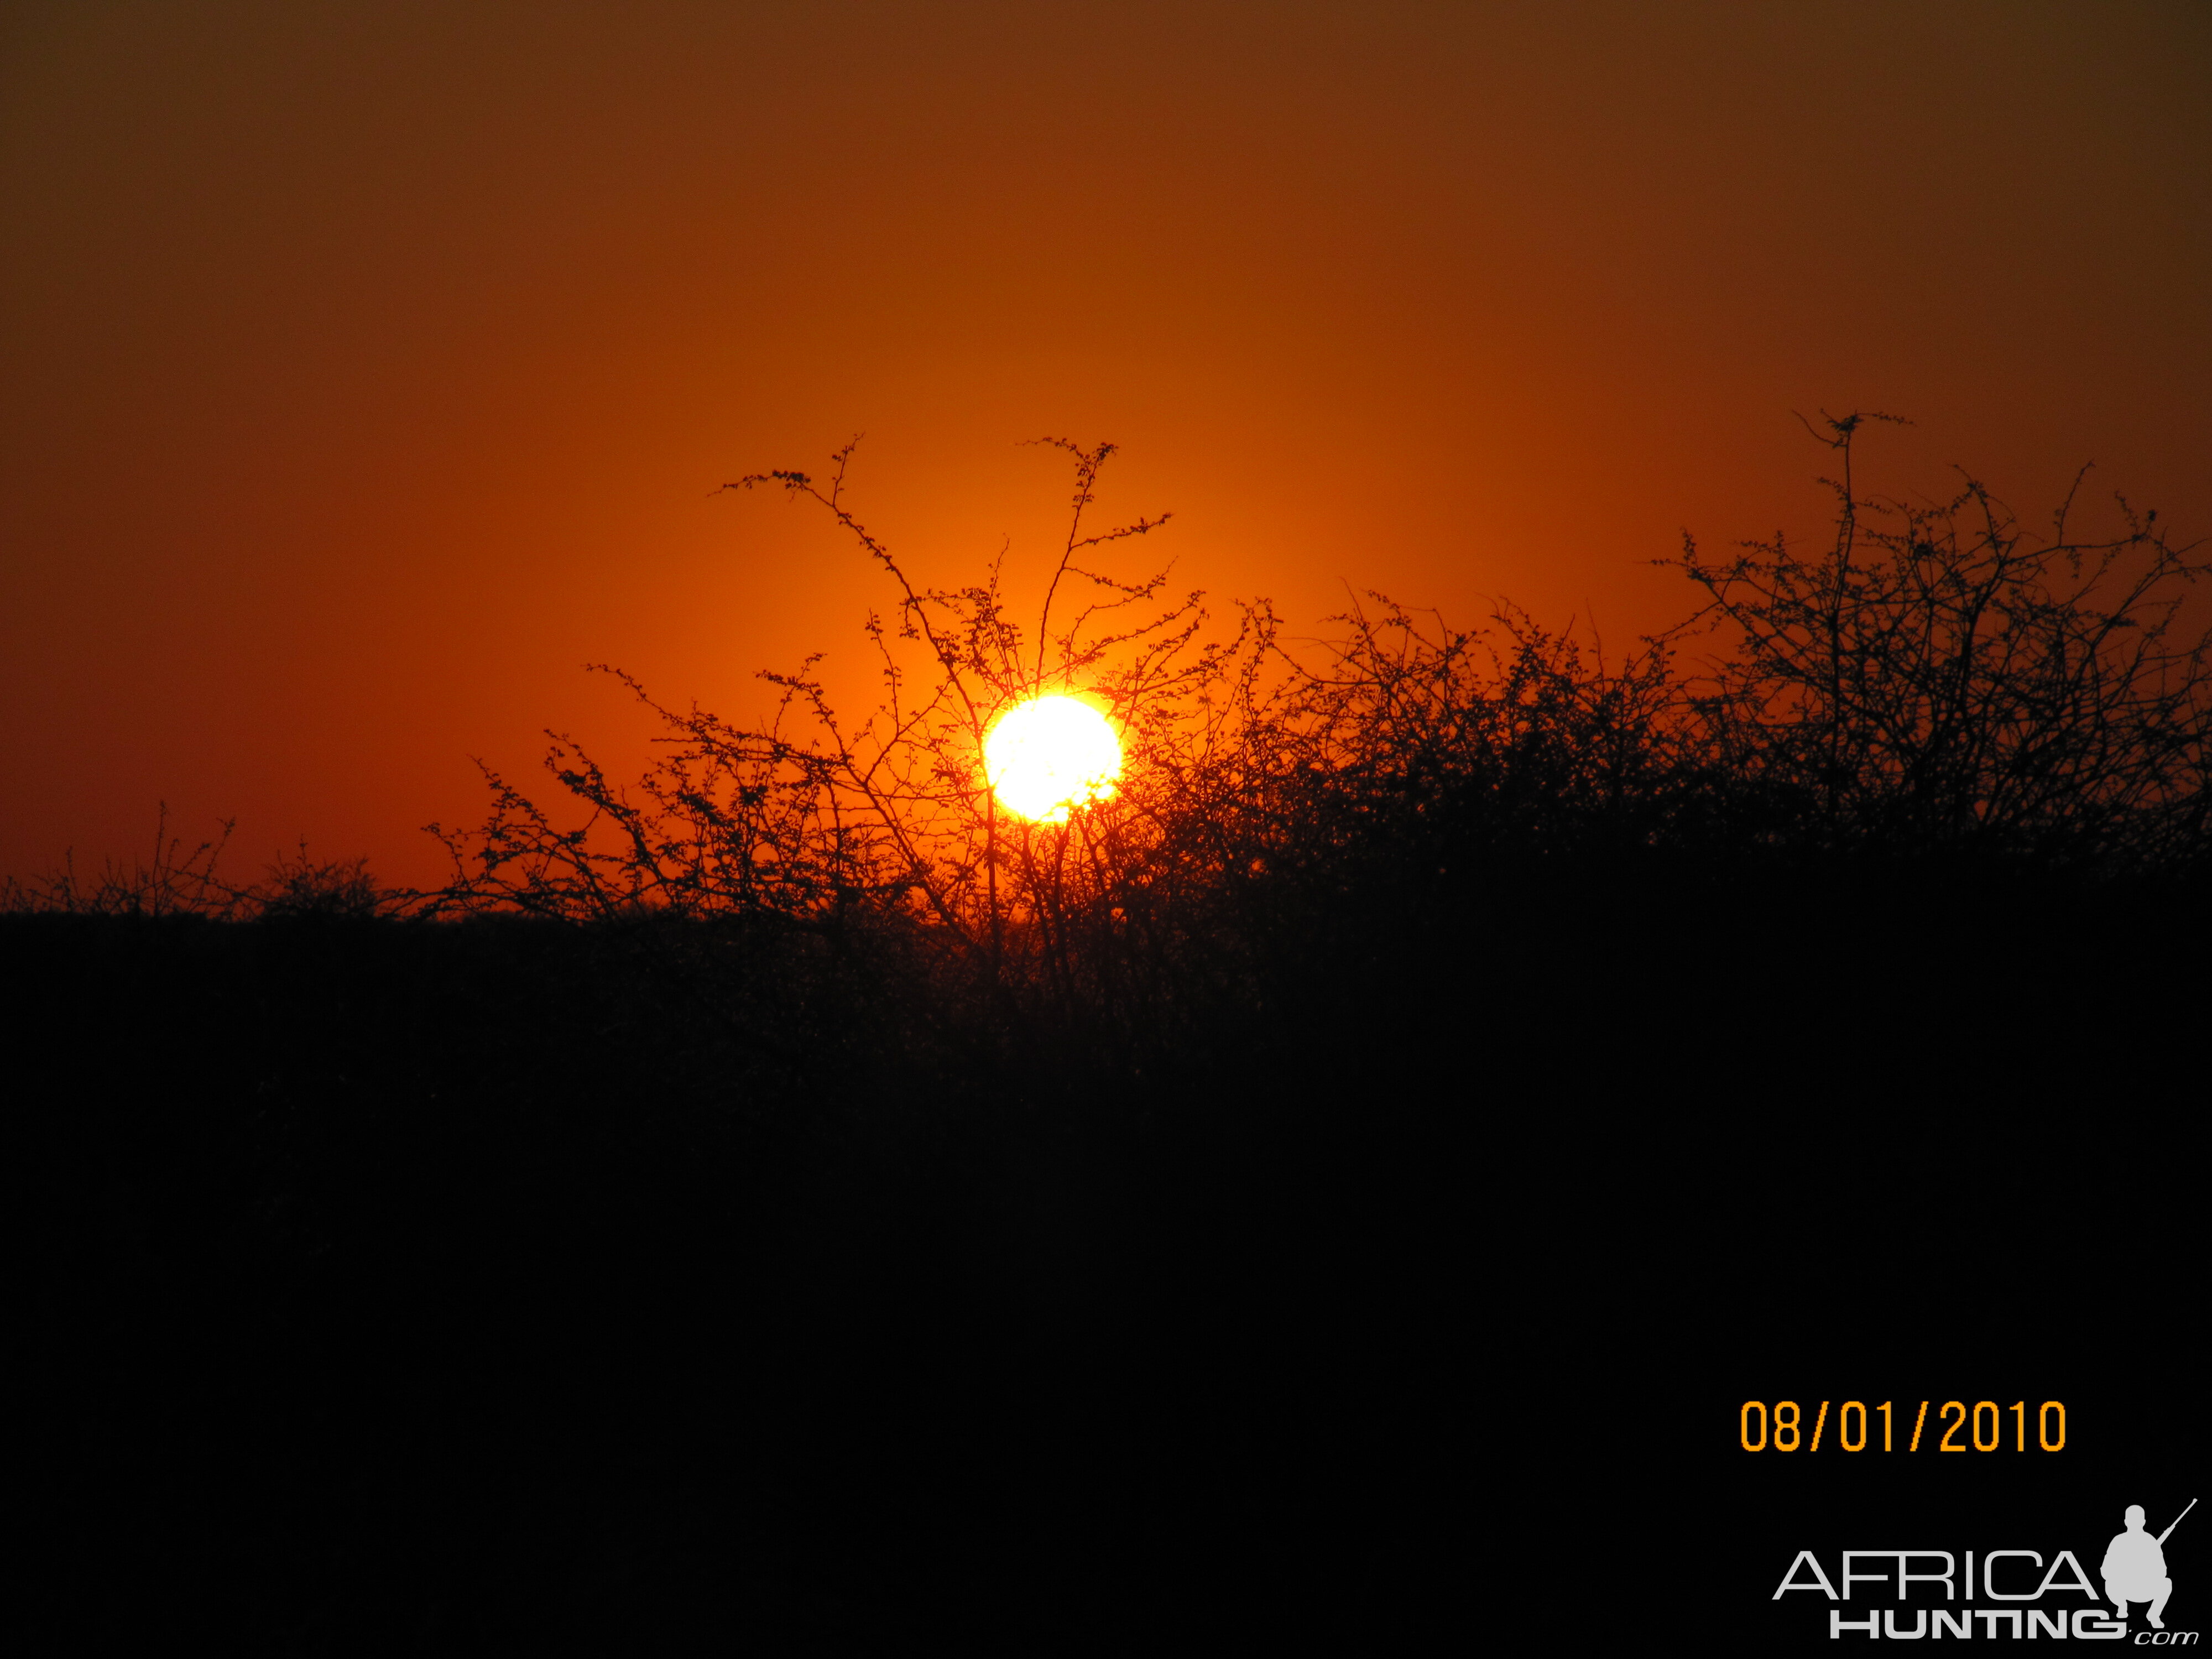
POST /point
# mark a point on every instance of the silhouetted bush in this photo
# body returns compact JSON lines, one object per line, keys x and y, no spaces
{"x":1938,"y":683}
{"x":176,"y":883}
{"x":1935,"y":685}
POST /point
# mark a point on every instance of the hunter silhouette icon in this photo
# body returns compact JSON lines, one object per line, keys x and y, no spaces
{"x":2135,"y":1566}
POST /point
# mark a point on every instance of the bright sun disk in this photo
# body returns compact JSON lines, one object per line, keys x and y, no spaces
{"x":1050,"y":754}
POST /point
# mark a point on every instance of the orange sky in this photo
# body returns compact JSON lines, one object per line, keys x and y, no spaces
{"x":364,"y":369}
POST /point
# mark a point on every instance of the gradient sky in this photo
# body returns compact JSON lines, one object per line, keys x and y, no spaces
{"x":366,"y":368}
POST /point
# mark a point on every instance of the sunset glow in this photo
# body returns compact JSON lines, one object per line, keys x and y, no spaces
{"x":834,"y":820}
{"x":1050,"y":755}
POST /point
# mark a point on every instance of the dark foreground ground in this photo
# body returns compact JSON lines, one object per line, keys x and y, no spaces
{"x":494,"y":1287}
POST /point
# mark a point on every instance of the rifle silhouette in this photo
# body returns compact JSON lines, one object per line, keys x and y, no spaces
{"x":2177,"y":1521}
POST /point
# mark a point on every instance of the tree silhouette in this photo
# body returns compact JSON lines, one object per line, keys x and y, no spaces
{"x":1936,"y":681}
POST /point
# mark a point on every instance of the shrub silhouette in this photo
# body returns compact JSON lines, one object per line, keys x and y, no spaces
{"x":1934,"y":684}
{"x":177,"y":883}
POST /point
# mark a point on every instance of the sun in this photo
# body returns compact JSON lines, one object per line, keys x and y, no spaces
{"x":1050,"y":754}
